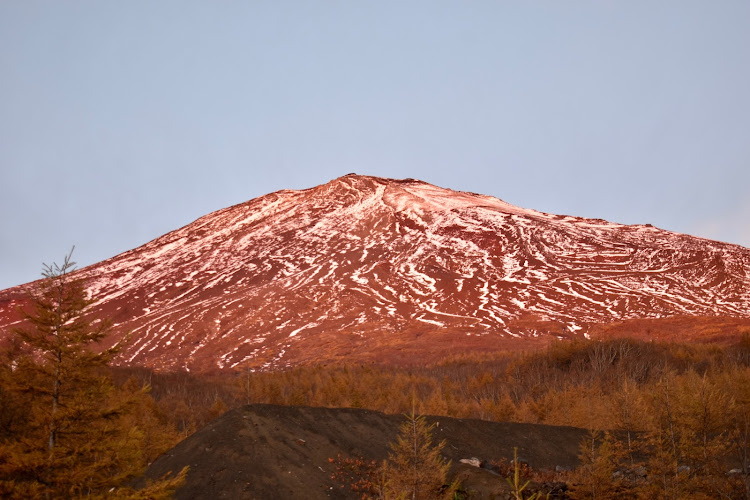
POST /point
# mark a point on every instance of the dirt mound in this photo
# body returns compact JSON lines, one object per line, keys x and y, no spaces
{"x":270,"y":451}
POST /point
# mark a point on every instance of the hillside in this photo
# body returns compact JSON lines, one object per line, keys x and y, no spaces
{"x":270,"y":451}
{"x":366,"y":269}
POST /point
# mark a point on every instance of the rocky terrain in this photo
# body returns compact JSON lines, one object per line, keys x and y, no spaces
{"x":366,"y":269}
{"x":269,"y":451}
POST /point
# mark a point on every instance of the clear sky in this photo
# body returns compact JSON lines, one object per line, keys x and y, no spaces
{"x":123,"y":120}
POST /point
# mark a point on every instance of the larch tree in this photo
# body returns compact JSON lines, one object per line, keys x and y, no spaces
{"x":595,"y":478}
{"x":416,"y":468}
{"x":76,"y":439}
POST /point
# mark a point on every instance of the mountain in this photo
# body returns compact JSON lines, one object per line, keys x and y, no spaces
{"x":372,"y":269}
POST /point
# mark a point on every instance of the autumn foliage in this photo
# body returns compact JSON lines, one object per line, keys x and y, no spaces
{"x":415,"y":468}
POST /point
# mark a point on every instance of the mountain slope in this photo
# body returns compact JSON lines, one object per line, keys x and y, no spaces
{"x":365,"y":268}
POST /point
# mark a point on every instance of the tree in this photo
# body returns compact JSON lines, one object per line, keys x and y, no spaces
{"x":416,"y":469}
{"x":77,"y":438}
{"x":596,"y":476}
{"x":690,"y":438}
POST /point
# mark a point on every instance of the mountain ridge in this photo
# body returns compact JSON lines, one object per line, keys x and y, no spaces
{"x":366,"y":268}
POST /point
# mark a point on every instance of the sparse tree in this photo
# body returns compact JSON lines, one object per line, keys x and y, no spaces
{"x":416,"y":468}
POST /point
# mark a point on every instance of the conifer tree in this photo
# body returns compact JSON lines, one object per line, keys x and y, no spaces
{"x":596,"y":478}
{"x":75,"y":440}
{"x":416,"y":469}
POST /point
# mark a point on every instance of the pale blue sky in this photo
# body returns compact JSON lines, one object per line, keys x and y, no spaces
{"x":123,"y":120}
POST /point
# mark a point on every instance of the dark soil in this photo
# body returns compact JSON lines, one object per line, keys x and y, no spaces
{"x":269,"y":451}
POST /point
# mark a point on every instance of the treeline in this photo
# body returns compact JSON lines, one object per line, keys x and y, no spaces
{"x":605,"y":385}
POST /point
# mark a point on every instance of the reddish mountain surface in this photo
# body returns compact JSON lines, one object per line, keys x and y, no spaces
{"x":371,"y":269}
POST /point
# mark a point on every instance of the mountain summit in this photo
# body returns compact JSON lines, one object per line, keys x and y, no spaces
{"x":366,"y":268}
